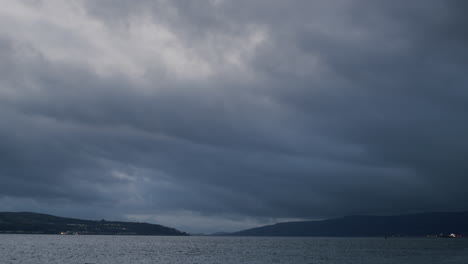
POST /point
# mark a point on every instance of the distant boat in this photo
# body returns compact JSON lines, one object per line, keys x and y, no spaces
{"x":69,"y":233}
{"x":448,"y":236}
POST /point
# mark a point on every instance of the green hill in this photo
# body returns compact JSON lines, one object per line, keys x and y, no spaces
{"x":35,"y":223}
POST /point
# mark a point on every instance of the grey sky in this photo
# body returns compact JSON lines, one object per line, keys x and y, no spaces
{"x":220,"y":115}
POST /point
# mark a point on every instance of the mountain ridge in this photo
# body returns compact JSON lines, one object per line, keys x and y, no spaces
{"x":421,"y":224}
{"x":39,"y":223}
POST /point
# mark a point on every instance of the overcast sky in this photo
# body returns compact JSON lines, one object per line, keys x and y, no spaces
{"x":221,"y":115}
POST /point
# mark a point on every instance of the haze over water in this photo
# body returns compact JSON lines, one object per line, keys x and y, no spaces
{"x":38,"y":249}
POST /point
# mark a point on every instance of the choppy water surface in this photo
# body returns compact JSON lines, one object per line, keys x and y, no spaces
{"x":226,"y":250}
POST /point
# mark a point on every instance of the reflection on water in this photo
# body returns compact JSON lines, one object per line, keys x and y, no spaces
{"x":181,"y":250}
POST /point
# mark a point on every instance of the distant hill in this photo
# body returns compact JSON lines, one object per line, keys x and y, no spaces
{"x":34,"y":223}
{"x":352,"y":226}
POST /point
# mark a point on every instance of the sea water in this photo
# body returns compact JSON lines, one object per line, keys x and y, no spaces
{"x":155,"y":249}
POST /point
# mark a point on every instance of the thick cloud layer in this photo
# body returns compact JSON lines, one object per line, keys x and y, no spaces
{"x":220,"y":115}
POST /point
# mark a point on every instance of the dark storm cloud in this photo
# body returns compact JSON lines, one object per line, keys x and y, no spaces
{"x":230,"y":113}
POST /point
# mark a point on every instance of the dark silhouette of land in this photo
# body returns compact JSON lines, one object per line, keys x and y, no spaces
{"x":35,"y":223}
{"x":424,"y":224}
